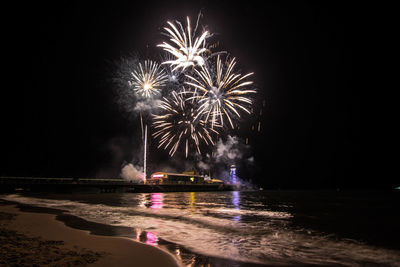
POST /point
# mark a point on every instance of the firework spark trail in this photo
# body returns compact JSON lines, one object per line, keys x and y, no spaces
{"x":187,"y":48}
{"x":145,"y":154}
{"x":148,"y":79}
{"x":176,"y":125}
{"x":222,"y":92}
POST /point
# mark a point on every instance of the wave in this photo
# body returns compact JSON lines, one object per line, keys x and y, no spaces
{"x":221,"y":232}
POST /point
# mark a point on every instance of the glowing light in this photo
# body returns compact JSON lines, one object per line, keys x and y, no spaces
{"x":151,"y":239}
{"x":233,"y":174}
{"x":158,"y":175}
{"x":148,"y":79}
{"x":236,"y":202}
{"x":192,"y":202}
{"x":222,"y":93}
{"x":147,"y":86}
{"x":192,"y":199}
{"x":156,"y":200}
{"x":187,"y":48}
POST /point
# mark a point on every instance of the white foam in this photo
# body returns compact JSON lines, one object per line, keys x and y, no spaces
{"x":194,"y":228}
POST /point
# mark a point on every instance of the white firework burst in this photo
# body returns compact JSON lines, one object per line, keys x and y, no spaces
{"x":186,"y":47}
{"x":147,"y":79}
{"x":220,"y":92}
{"x":176,"y":126}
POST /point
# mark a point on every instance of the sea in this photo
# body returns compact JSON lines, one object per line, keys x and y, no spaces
{"x":241,"y":228}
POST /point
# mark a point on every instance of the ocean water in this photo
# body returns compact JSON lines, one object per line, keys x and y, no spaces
{"x":249,"y":228}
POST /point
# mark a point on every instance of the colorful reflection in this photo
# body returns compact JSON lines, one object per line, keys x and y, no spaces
{"x":156,"y":200}
{"x":151,"y":239}
{"x":192,"y":202}
{"x":192,"y":199}
{"x":236,"y":204}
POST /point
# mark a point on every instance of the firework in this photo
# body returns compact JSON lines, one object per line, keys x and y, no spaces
{"x":147,"y":79}
{"x":175,"y":76}
{"x":188,"y":117}
{"x":176,"y":126}
{"x":186,"y":47}
{"x":221,"y":93}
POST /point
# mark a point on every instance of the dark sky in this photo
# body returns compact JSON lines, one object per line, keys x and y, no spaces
{"x":59,"y":114}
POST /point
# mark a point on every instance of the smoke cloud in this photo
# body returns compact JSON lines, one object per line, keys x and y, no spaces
{"x":147,"y":105}
{"x":132,"y":173}
{"x":203,"y":166}
{"x":231,"y":151}
{"x":226,"y":153}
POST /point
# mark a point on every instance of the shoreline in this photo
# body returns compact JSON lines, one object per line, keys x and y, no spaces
{"x":182,"y":256}
{"x":349,"y":246}
{"x":60,"y":244}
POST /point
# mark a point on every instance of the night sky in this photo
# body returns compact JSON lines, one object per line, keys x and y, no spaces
{"x":60,"y":118}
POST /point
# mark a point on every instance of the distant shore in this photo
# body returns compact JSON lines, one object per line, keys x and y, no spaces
{"x":28,"y":238}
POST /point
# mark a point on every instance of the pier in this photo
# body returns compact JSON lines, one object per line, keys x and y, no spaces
{"x":94,"y":185}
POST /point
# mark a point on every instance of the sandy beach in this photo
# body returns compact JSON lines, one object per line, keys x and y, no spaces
{"x":38,"y":239}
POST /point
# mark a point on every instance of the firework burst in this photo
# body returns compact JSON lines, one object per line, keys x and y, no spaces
{"x":186,"y":47}
{"x":176,"y":126}
{"x":220,"y":92}
{"x":186,"y":118}
{"x":175,"y":76}
{"x":147,"y":79}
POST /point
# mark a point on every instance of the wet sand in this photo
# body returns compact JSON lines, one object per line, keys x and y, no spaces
{"x":38,"y":239}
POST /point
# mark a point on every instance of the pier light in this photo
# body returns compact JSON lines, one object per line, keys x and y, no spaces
{"x":233,"y":177}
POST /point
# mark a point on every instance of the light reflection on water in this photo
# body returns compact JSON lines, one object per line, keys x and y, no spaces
{"x":151,"y":239}
{"x":192,"y":202}
{"x":236,"y":204}
{"x":252,"y":227}
{"x":156,"y":200}
{"x":156,"y":203}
